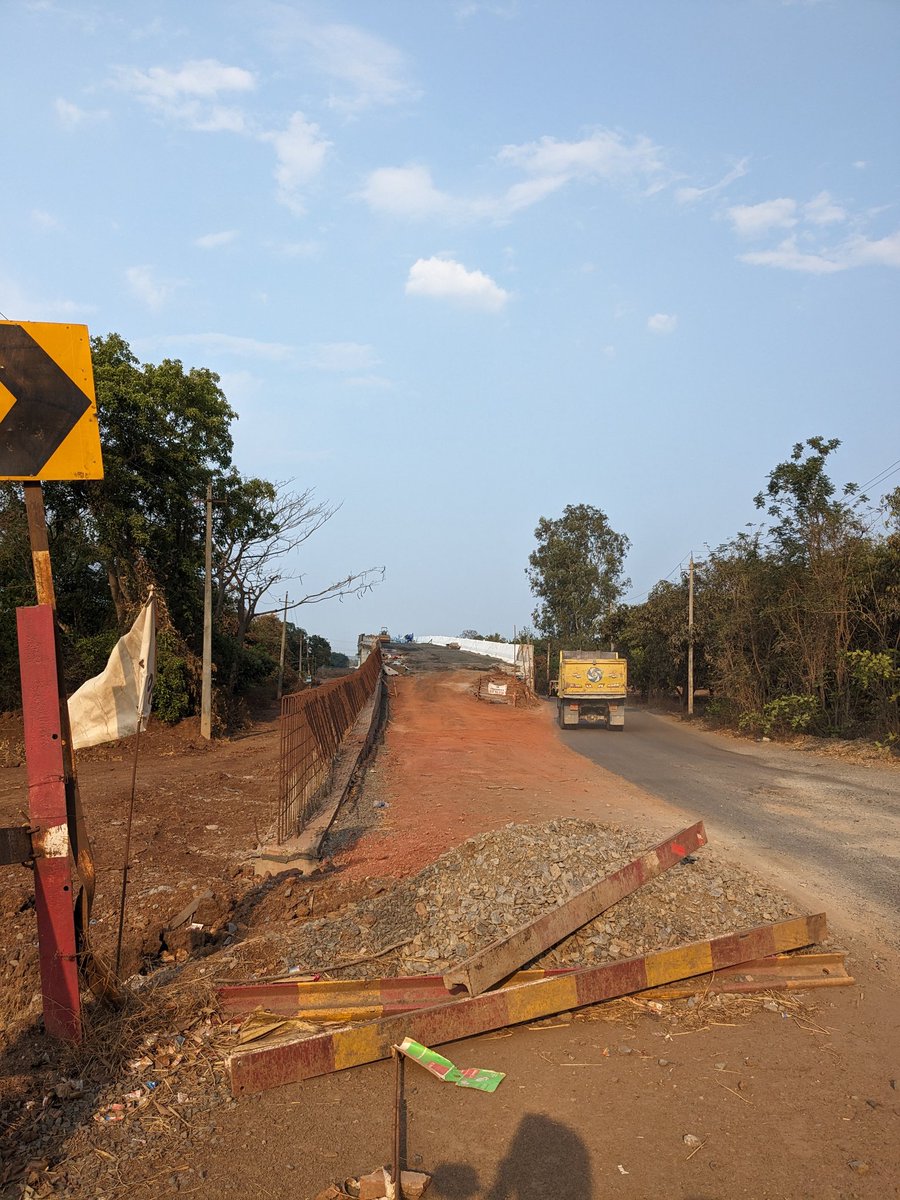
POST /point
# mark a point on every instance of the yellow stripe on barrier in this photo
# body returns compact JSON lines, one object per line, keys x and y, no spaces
{"x":353,"y":1047}
{"x":535,"y":1000}
{"x":667,"y":965}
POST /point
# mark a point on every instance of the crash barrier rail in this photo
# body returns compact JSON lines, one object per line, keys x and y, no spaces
{"x":313,"y":724}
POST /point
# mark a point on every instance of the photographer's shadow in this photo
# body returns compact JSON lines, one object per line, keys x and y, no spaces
{"x":545,"y":1158}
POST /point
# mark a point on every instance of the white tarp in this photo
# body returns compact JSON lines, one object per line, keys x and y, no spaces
{"x":506,"y":651}
{"x":519,"y":655}
{"x":115,"y":703}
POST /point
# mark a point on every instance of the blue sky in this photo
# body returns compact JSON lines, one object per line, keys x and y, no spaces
{"x":461,"y":263}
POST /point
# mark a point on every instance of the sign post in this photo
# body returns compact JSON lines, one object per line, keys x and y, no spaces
{"x":47,"y":810}
{"x":49,"y":431}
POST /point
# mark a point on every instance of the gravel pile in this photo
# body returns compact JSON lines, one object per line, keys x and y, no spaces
{"x":496,"y":882}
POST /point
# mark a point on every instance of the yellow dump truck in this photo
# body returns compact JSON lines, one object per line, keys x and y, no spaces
{"x":591,"y":688}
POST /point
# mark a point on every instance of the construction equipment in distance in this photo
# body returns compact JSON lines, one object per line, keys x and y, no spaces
{"x":591,"y":688}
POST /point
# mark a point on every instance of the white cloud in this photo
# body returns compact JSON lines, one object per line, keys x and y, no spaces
{"x":883,"y":252}
{"x":370,"y":382}
{"x":227,"y":343}
{"x":790,"y":258}
{"x":18,"y":305}
{"x":754,"y":220}
{"x":821,"y":210}
{"x":604,"y":155}
{"x":471,"y":9}
{"x":190,"y":94}
{"x":70,"y":116}
{"x":687,"y":195}
{"x":408,"y":192}
{"x":300,"y":152}
{"x":662,"y":323}
{"x":211,"y":241}
{"x":372,"y":69}
{"x":340,"y":356}
{"x":44,"y":220}
{"x":446,"y":279}
{"x":148,"y":289}
{"x":303,"y":249}
{"x":548,"y":164}
{"x":365,"y":69}
{"x":806,"y":248}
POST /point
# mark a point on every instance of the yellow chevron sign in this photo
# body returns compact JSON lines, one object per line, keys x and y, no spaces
{"x":48,"y":411}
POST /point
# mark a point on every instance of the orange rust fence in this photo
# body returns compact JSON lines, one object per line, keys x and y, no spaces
{"x":313,"y":723}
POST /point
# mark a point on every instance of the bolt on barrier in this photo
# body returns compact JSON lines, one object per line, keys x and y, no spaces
{"x":313,"y":723}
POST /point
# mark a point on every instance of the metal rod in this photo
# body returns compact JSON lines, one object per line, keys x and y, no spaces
{"x":398,"y":1109}
{"x":283,"y":645}
{"x":690,"y":662}
{"x":125,"y":863}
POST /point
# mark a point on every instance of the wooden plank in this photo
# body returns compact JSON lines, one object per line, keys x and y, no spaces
{"x":486,"y":968}
{"x":293,"y":1058}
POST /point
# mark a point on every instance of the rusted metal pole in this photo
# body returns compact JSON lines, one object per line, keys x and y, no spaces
{"x":47,"y":808}
{"x":398,"y":1118}
{"x":98,"y":976}
{"x":127,"y":855}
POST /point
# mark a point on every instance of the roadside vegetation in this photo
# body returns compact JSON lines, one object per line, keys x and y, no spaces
{"x":796,"y":619}
{"x":166,"y":435}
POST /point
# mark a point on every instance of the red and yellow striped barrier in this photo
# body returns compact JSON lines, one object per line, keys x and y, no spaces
{"x":295,"y":1058}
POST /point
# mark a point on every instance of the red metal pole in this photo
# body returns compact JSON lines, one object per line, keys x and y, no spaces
{"x":47,"y":812}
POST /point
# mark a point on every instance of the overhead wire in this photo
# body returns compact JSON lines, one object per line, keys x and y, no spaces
{"x":889,"y":470}
{"x":644,"y":595}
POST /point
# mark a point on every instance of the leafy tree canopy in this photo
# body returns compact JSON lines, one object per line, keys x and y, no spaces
{"x":576,"y":572}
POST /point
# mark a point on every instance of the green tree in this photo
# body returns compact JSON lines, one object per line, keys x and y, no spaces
{"x":165,"y":431}
{"x":576,"y":573}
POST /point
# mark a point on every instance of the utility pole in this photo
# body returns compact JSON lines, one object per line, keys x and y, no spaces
{"x":206,"y":686}
{"x":690,"y":678}
{"x":283,"y":644}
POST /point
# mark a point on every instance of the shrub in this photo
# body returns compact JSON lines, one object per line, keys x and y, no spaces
{"x":784,"y":714}
{"x":171,"y":697}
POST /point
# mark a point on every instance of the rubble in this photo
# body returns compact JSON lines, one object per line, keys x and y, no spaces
{"x":495,"y":882}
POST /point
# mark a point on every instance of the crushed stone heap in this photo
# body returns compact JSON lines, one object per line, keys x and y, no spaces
{"x":496,"y":882}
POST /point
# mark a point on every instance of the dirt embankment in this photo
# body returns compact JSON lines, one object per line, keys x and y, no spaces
{"x":778,"y":1097}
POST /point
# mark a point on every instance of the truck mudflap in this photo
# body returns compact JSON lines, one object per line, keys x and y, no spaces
{"x":610,"y":713}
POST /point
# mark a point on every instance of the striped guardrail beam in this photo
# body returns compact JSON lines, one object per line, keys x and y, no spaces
{"x":508,"y":954}
{"x":295,"y":1058}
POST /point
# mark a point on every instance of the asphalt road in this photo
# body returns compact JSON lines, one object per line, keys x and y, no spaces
{"x":828,"y":828}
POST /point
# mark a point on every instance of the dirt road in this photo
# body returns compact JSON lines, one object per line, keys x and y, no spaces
{"x":795,"y":1099}
{"x":827,"y":830}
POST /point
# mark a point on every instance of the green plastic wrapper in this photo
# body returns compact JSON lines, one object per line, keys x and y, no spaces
{"x":442,"y":1068}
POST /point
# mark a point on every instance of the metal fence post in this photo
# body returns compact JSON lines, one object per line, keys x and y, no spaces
{"x":47,"y":812}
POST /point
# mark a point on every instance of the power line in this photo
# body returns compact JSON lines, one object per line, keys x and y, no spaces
{"x":644,"y":595}
{"x":889,"y":470}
